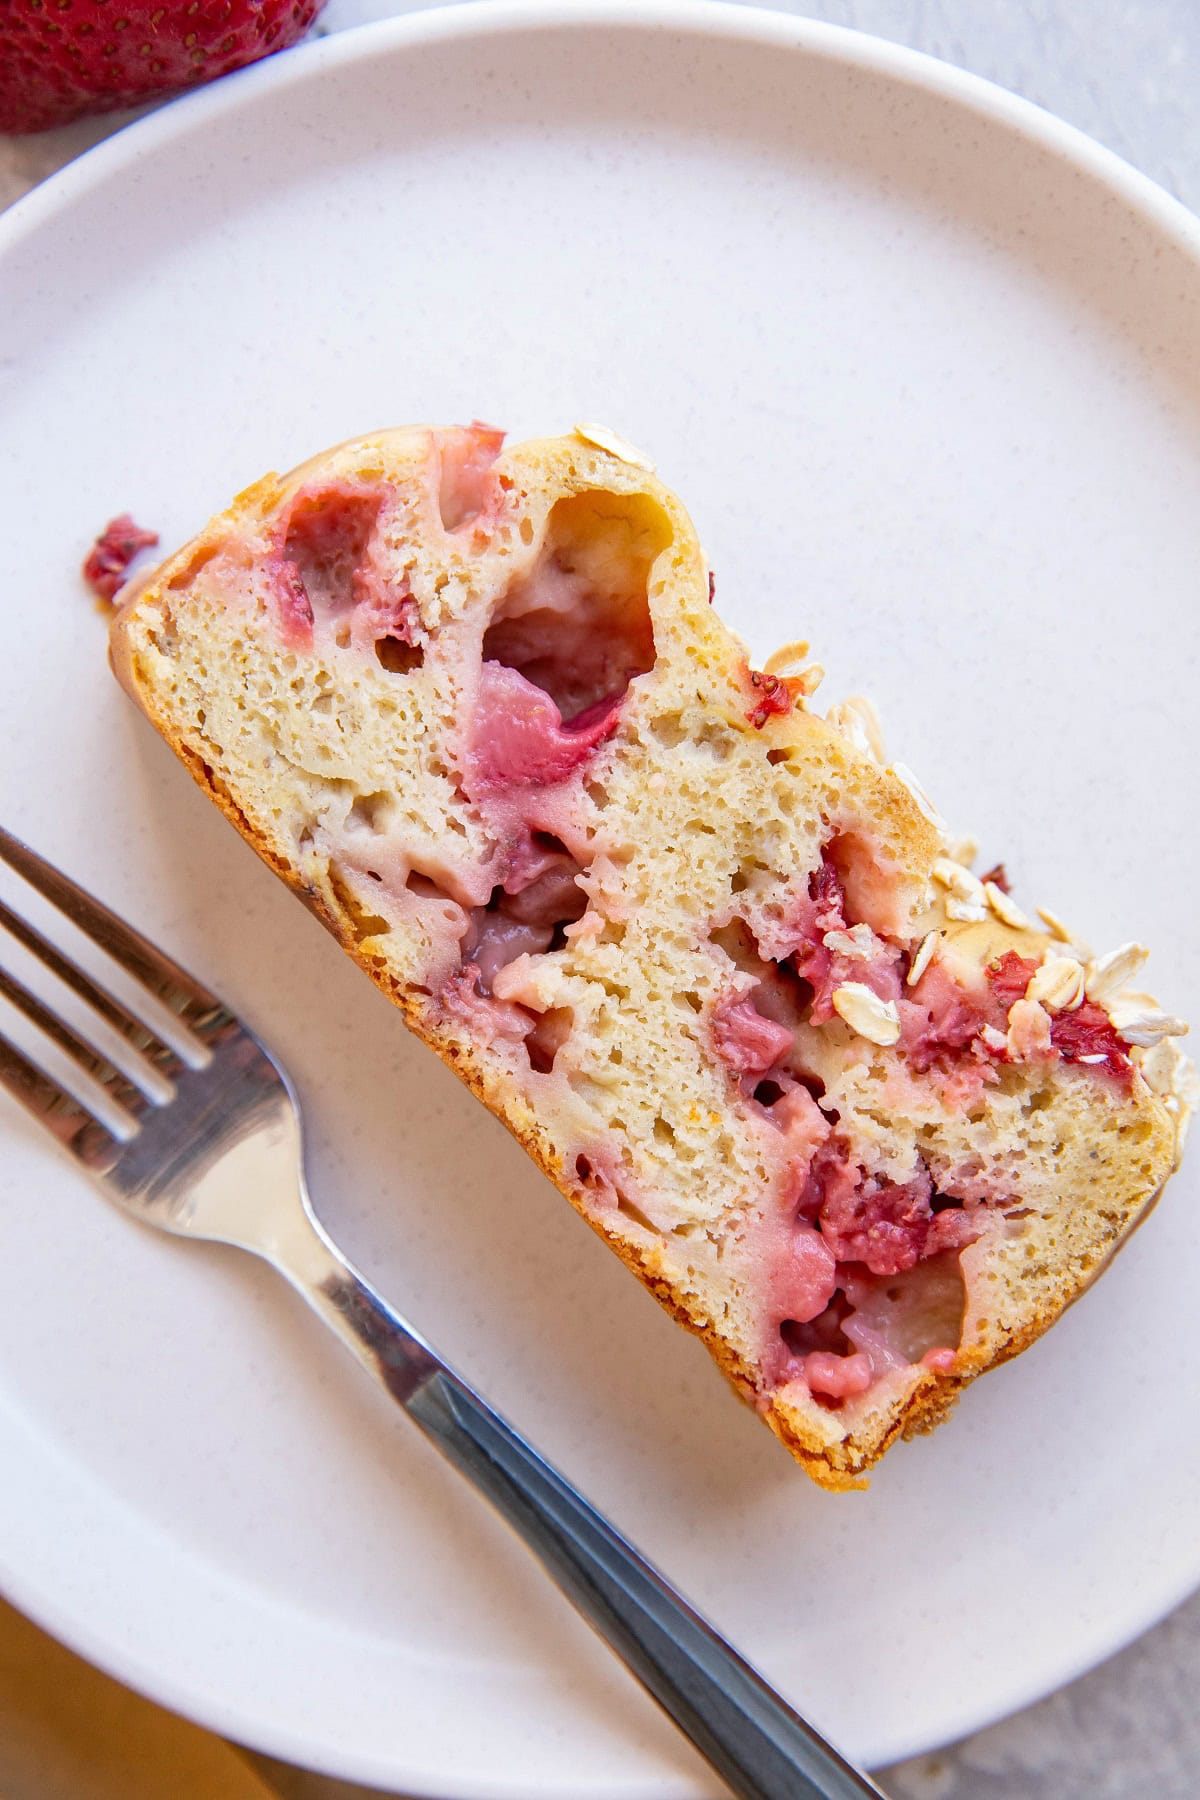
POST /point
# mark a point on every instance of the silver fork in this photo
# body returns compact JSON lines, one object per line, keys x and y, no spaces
{"x":216,"y":1153}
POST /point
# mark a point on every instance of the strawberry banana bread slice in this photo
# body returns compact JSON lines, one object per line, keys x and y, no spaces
{"x":847,"y":1113}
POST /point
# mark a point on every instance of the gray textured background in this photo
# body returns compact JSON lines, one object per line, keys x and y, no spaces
{"x":1128,"y":73}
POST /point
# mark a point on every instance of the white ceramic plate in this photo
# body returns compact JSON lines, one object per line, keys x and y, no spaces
{"x":923,"y":362}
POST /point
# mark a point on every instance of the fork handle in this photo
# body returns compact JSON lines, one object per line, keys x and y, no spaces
{"x":751,"y":1737}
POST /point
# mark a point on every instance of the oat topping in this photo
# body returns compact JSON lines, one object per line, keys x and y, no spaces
{"x":1004,"y":908}
{"x":923,"y":958}
{"x":1057,"y":929}
{"x":858,"y":722}
{"x":615,"y":445}
{"x":958,"y":879}
{"x":860,"y":940}
{"x":787,"y":664}
{"x":1107,"y":975}
{"x":969,"y":912}
{"x":995,"y":1040}
{"x":1164,"y":1066}
{"x":1139,"y":1021}
{"x":862,"y":1009}
{"x":788,"y":659}
{"x":1058,"y":984}
{"x":963,"y":849}
{"x":967,"y":900}
{"x":1054,"y":925}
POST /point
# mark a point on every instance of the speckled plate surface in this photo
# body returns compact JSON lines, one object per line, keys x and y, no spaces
{"x":924,"y":364}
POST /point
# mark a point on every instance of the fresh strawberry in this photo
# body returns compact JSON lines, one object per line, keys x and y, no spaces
{"x":61,"y":59}
{"x":109,"y":558}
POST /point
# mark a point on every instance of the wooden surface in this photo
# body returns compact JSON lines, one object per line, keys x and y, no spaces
{"x":1128,"y":72}
{"x":69,"y":1733}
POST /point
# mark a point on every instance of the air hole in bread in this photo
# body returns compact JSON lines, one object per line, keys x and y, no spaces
{"x":868,"y":882}
{"x":577,"y":625}
{"x":424,"y":886}
{"x":369,"y":813}
{"x":822,"y":1333}
{"x":873,"y":1325}
{"x":361,"y":921}
{"x":737,"y":941}
{"x":908,"y":1314}
{"x":715,"y":741}
{"x":669,"y":729}
{"x":780,"y":996}
{"x":465,"y":458}
{"x":547,"y":843}
{"x":397,"y":657}
{"x":546,"y":1037}
{"x":629,"y":1209}
{"x":325,"y":544}
{"x":527,"y":914}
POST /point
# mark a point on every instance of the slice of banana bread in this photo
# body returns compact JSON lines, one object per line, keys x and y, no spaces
{"x":843,"y":1108}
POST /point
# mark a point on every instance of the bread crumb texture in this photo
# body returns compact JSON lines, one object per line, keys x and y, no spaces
{"x":717,"y":964}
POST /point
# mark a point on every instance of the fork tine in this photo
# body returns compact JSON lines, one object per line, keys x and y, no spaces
{"x":142,"y":959}
{"x":131,"y":1028}
{"x":81,"y":1051}
{"x":72,"y":1124}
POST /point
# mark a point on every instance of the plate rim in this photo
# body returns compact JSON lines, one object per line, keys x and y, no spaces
{"x":436,"y":19}
{"x":191,"y":114}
